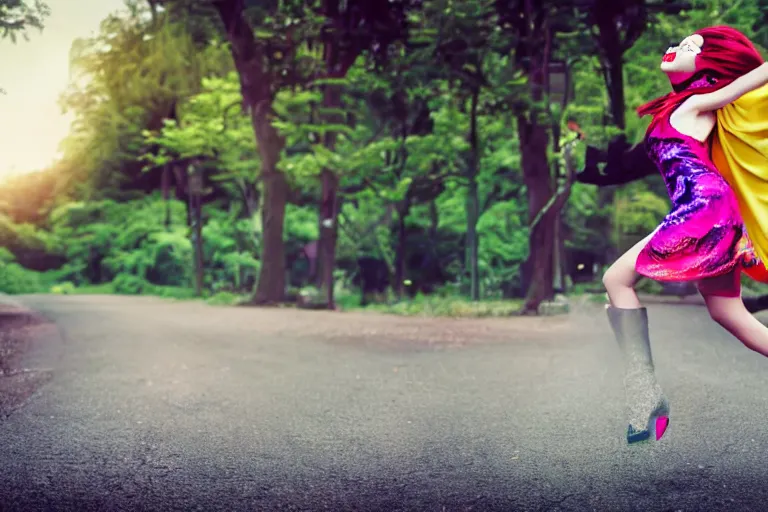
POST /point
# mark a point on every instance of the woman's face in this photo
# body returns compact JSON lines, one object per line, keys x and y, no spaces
{"x":682,"y":58}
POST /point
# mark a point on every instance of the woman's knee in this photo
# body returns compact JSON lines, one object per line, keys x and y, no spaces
{"x":617,"y":276}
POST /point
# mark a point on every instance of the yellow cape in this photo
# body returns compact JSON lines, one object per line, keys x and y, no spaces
{"x":740,"y":152}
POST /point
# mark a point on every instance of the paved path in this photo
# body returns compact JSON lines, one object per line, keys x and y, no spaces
{"x":158,"y":405}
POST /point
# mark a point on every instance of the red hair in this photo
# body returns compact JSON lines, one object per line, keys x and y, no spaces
{"x":726,"y":55}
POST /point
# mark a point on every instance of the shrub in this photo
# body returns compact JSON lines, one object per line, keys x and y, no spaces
{"x":65,"y":288}
{"x":6,"y":256}
{"x":450,"y":307}
{"x":15,"y":279}
{"x":105,"y":239}
{"x":129,"y":284}
{"x":226,"y":299}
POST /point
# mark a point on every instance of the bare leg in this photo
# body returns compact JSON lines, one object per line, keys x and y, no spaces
{"x":722,"y":296}
{"x":646,"y":408}
{"x":620,"y":278}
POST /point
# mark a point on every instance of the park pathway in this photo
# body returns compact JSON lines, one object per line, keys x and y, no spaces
{"x":159,"y":405}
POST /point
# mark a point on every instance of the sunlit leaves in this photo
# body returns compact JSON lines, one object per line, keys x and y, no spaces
{"x":211,"y":125}
{"x":18,"y":16}
{"x":129,"y":78}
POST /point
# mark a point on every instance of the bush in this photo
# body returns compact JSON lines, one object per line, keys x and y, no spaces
{"x":65,"y":288}
{"x":105,"y":239}
{"x":172,"y":292}
{"x":128,"y":284}
{"x":6,"y":256}
{"x":226,"y":299}
{"x":649,"y":287}
{"x":229,"y":246}
{"x":20,"y":237}
{"x":15,"y":279}
{"x":449,"y":306}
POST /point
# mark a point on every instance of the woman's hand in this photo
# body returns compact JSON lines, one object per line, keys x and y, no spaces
{"x":731,"y":92}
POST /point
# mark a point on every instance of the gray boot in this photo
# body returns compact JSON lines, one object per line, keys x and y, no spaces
{"x":647,"y":408}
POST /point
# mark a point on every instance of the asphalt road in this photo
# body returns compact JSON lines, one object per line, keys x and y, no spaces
{"x":156,"y":405}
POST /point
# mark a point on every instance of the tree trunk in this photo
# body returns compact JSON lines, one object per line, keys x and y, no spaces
{"x":195,"y":191}
{"x":199,"y":264}
{"x":271,"y":286}
{"x":256,"y":87}
{"x":166,"y":187}
{"x":328,"y":235}
{"x":329,"y":203}
{"x":536,"y":175}
{"x":473,"y":201}
{"x":398,"y":284}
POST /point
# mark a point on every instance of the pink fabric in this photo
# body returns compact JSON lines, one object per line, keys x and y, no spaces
{"x":703,"y":235}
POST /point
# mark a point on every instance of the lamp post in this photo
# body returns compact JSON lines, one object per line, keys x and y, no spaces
{"x":559,"y":82}
{"x":561,"y":92}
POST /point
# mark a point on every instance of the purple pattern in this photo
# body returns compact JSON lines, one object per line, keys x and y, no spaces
{"x":703,"y":235}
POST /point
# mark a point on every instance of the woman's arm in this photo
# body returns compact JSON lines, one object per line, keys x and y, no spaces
{"x":731,"y":92}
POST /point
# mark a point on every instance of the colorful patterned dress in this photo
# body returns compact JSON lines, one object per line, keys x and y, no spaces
{"x":704,"y":234}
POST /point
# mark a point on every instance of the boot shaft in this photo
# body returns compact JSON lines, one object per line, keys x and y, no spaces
{"x":630,"y":326}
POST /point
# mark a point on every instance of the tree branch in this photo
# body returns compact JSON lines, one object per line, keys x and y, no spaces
{"x":557,"y":201}
{"x":629,"y":166}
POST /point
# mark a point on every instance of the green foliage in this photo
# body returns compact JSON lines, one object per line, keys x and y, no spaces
{"x":6,"y":256}
{"x":638,"y":210}
{"x":226,"y":299}
{"x":157,"y":88}
{"x":128,"y":284}
{"x":18,"y":16}
{"x":23,"y":239}
{"x":451,"y":306}
{"x":211,"y":125}
{"x":15,"y":279}
{"x":229,"y":249}
{"x":126,"y":80}
{"x":102,"y":239}
{"x":65,"y":288}
{"x":503,"y":246}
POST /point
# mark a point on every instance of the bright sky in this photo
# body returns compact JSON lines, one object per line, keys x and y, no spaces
{"x":33,"y":75}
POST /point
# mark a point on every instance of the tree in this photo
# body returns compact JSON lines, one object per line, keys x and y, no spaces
{"x":537,"y":25}
{"x":265,"y":64}
{"x":350,"y":29}
{"x":473,"y":49}
{"x":130,"y":77}
{"x":18,"y":16}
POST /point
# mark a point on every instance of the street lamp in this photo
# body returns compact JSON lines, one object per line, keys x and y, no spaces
{"x":560,"y":90}
{"x":559,"y":82}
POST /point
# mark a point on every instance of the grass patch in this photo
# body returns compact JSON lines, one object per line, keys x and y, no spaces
{"x":91,"y":289}
{"x":458,"y":307}
{"x":167,"y":292}
{"x":598,"y":298}
{"x":227,"y":299}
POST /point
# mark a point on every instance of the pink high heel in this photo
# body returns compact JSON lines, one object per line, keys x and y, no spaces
{"x":662,"y":422}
